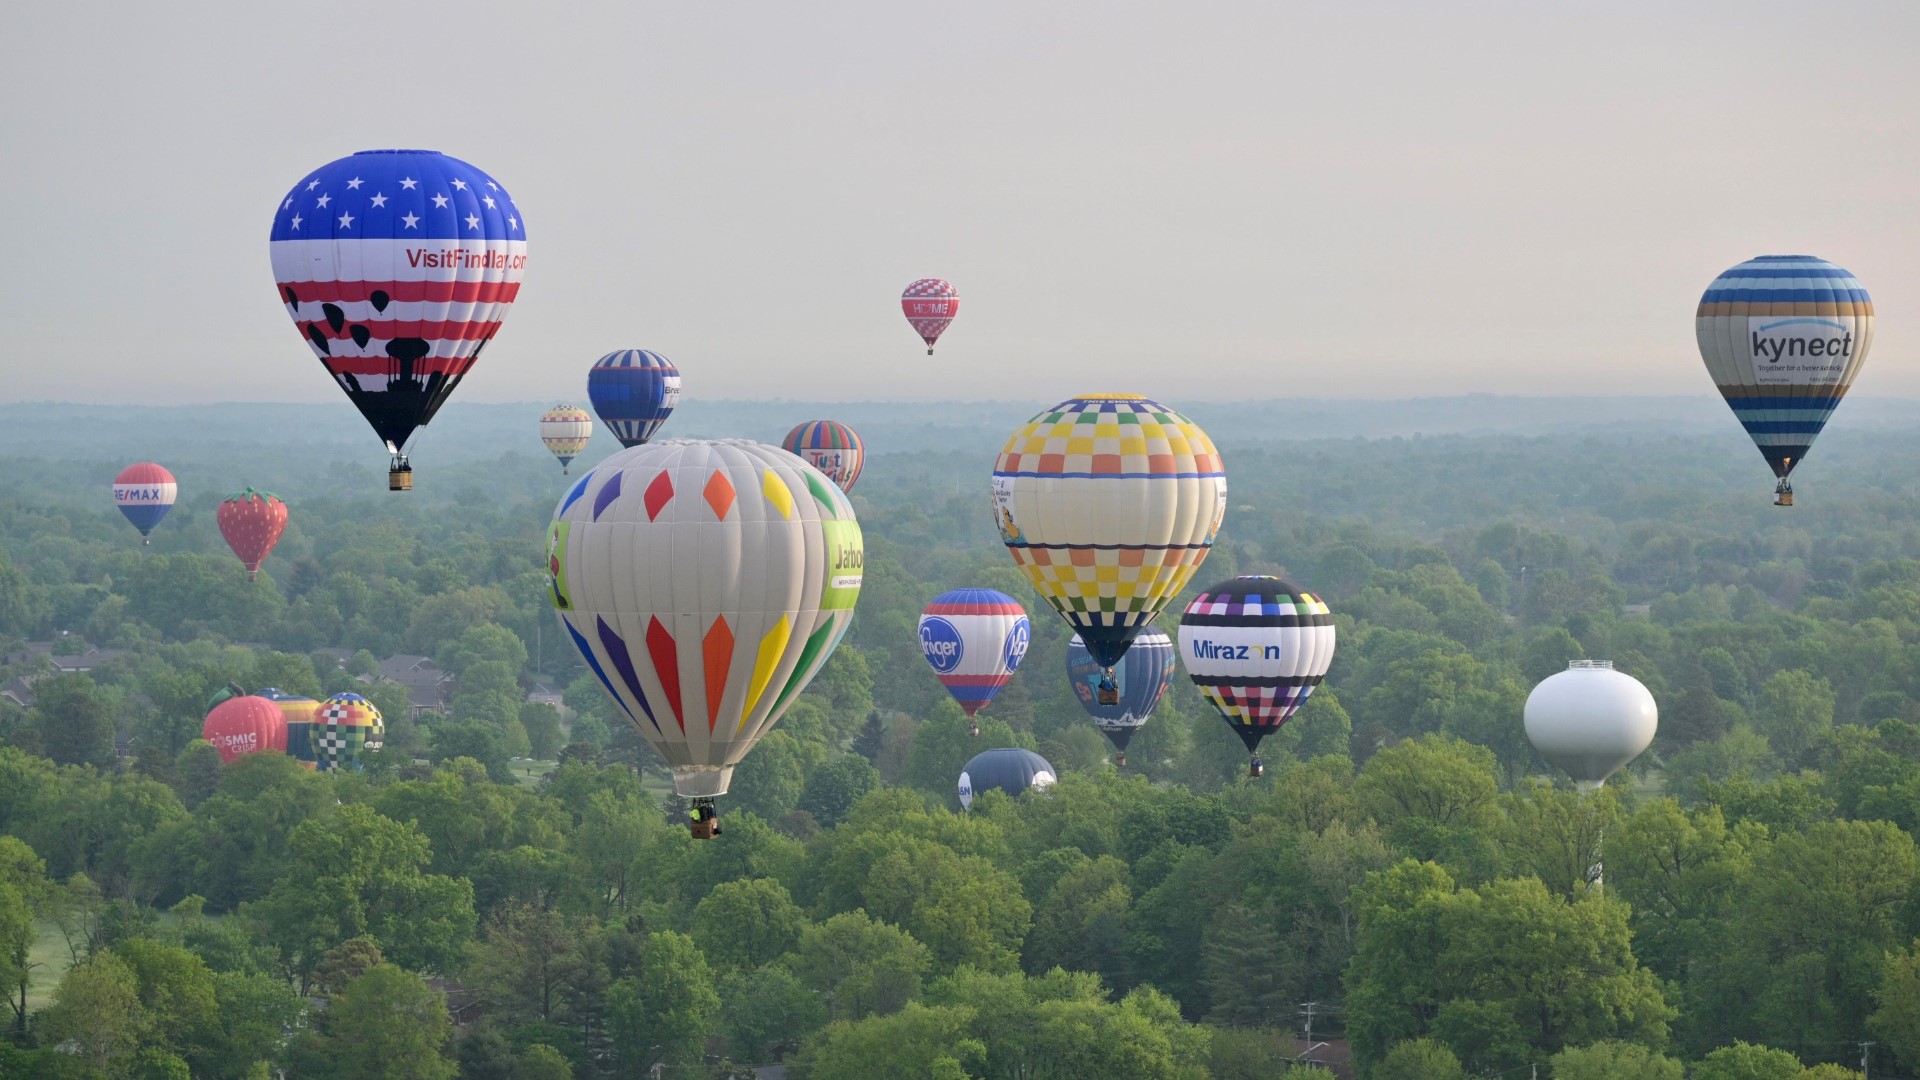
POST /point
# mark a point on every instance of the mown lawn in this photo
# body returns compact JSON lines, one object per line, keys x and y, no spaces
{"x":49,"y":955}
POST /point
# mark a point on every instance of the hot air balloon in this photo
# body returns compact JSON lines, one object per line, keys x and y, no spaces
{"x":974,"y":639}
{"x":1783,"y":337}
{"x":1142,"y":677}
{"x":1109,"y":503}
{"x":930,"y":305}
{"x":245,"y":725}
{"x":634,"y":391}
{"x":252,"y":522}
{"x":344,"y":727}
{"x":398,"y":267}
{"x":299,"y":713}
{"x":1591,"y":720}
{"x":1011,"y":770}
{"x":144,"y":493}
{"x":830,"y":446}
{"x":565,"y":429}
{"x":1256,"y":647}
{"x":705,"y":583}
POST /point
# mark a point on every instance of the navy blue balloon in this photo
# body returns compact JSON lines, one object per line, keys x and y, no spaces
{"x":634,"y":391}
{"x":1143,"y":675}
{"x":1010,"y":770}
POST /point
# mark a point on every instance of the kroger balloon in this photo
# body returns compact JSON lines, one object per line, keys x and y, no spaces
{"x":345,"y":727}
{"x":1109,"y":503}
{"x":1591,"y":720}
{"x":634,"y":391}
{"x":1256,"y":647}
{"x":1011,"y":770}
{"x":705,"y":584}
{"x":252,"y":522}
{"x":565,"y":429}
{"x":1783,"y":337}
{"x":830,"y":446}
{"x":245,"y":725}
{"x":398,"y":268}
{"x":930,"y":305}
{"x":144,"y":493}
{"x":1142,"y":678}
{"x":974,"y":639}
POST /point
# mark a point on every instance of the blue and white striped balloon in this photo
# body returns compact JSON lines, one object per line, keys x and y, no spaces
{"x":634,"y":391}
{"x":1783,"y":337}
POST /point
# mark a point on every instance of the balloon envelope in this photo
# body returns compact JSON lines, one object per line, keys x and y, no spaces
{"x":830,"y":446}
{"x":144,"y":493}
{"x":1256,"y":647}
{"x":565,"y":429}
{"x":705,"y":584}
{"x":1783,"y":337}
{"x":299,"y":712}
{"x":252,"y":522}
{"x":1143,"y":676}
{"x":974,"y":639}
{"x":344,"y":727}
{"x":634,"y":391}
{"x":398,"y":267}
{"x":1109,"y":503}
{"x":1011,"y":770}
{"x":930,"y":305}
{"x":245,"y":725}
{"x":1591,"y":720}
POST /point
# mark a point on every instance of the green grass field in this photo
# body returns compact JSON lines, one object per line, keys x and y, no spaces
{"x":50,"y":960}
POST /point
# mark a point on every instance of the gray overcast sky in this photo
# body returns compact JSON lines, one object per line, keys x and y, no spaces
{"x":1191,"y":200}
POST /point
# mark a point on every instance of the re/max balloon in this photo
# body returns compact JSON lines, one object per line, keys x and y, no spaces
{"x":705,"y":584}
{"x":1783,"y":337}
{"x":1256,"y":647}
{"x":144,"y":493}
{"x":974,"y":639}
{"x":1142,"y":677}
{"x":398,"y":267}
{"x":634,"y":391}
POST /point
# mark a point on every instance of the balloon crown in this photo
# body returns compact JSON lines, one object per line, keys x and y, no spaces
{"x":360,"y":153}
{"x":250,"y":494}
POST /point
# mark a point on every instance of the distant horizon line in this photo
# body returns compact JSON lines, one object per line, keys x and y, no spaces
{"x":544,"y":402}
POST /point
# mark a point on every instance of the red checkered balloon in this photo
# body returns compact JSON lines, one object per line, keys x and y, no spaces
{"x":930,"y":305}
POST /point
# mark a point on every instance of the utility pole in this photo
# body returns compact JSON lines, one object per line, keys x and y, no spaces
{"x":1307,"y":1011}
{"x":1865,"y":1049}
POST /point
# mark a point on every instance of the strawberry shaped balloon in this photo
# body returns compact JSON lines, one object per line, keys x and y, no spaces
{"x":252,"y":522}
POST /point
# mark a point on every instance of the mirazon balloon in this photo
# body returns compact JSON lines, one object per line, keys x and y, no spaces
{"x":1256,"y":647}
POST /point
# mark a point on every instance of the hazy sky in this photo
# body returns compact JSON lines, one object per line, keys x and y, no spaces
{"x":1191,"y":200}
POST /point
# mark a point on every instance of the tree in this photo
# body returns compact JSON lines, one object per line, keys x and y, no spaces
{"x":918,"y":1041}
{"x":1083,"y":923}
{"x":255,"y":1014}
{"x":74,"y":724}
{"x":966,"y":910}
{"x":1896,"y":1020}
{"x":97,"y":1008}
{"x":1419,"y":1059}
{"x":768,"y":1013}
{"x":666,"y":1012}
{"x":1555,"y":835}
{"x":177,"y":995}
{"x":1612,"y":1060}
{"x":542,"y":724}
{"x":834,"y":786}
{"x":1434,"y":797}
{"x":1747,"y":1061}
{"x":344,"y":963}
{"x":1795,"y":713}
{"x":861,"y":966}
{"x":741,"y":925}
{"x":387,"y":1024}
{"x":533,"y":963}
{"x":483,"y":642}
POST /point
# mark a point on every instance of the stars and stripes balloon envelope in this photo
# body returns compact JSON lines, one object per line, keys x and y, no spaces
{"x":705,"y":584}
{"x":634,"y":391}
{"x":974,"y":639}
{"x":1256,"y":647}
{"x":1783,"y":337}
{"x":144,"y":493}
{"x":565,"y":429}
{"x":1142,"y":677}
{"x":252,"y":522}
{"x":398,"y":267}
{"x":1109,"y":503}
{"x":930,"y":305}
{"x":830,"y":446}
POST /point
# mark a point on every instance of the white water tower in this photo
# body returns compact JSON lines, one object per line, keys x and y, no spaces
{"x":1591,"y":720}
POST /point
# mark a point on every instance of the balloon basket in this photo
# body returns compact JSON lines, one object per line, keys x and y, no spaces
{"x":1120,"y":760}
{"x":973,"y":730}
{"x":1108,"y":696}
{"x":400,"y":478}
{"x":1783,"y":494}
{"x":1256,"y":768}
{"x":703,"y":819}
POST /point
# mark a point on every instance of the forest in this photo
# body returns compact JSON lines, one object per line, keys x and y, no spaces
{"x":508,"y":891}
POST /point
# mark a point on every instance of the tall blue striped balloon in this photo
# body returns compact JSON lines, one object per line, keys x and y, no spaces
{"x":1783,"y":337}
{"x":1143,"y":675}
{"x":634,"y":391}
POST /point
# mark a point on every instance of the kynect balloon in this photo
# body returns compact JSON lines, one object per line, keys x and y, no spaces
{"x":1109,"y":503}
{"x":830,"y":446}
{"x":1591,"y":720}
{"x":930,"y":305}
{"x":398,"y":267}
{"x":1142,"y":678}
{"x":344,"y":727}
{"x":1783,"y":337}
{"x":245,"y":725}
{"x":974,"y":639}
{"x":1256,"y":647}
{"x":634,"y":391}
{"x":252,"y":522}
{"x":705,"y":583}
{"x":565,"y":429}
{"x":144,"y":493}
{"x":1011,"y":770}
